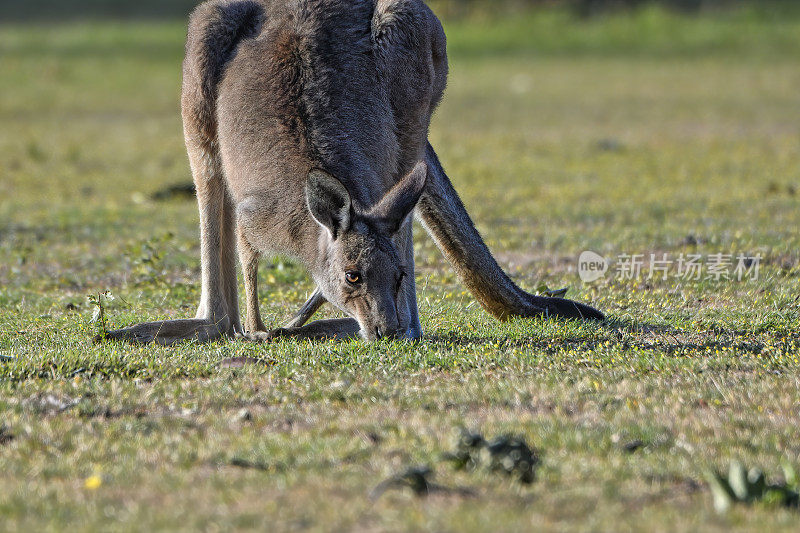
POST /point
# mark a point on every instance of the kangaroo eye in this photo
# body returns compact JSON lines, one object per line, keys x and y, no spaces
{"x":353,"y":277}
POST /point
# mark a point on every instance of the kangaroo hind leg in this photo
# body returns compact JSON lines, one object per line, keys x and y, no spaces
{"x":217,"y":314}
{"x":215,"y":28}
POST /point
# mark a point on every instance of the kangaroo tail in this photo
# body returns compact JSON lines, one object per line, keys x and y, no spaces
{"x":444,"y":216}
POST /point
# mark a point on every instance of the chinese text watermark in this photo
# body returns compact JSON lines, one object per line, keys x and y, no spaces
{"x":689,"y":267}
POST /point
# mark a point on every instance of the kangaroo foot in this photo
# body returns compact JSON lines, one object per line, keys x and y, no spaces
{"x":167,"y":332}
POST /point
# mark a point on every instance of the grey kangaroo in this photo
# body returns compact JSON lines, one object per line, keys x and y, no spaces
{"x":306,"y":125}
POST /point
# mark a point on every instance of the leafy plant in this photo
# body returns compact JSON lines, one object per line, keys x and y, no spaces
{"x":543,"y":290}
{"x":99,"y":313}
{"x":749,"y":486}
{"x":506,"y":454}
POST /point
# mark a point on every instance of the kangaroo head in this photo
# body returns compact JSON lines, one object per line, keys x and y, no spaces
{"x":361,"y":271}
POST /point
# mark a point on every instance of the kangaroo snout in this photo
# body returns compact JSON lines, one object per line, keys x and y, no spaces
{"x":383,"y":325}
{"x":383,"y":330}
{"x":381,"y":333}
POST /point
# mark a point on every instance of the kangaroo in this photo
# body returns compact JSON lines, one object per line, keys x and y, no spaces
{"x":306,"y":125}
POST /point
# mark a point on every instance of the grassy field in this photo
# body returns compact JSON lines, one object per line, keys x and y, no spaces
{"x":641,"y":134}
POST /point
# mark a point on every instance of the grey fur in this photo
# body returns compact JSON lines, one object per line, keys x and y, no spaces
{"x":306,"y":125}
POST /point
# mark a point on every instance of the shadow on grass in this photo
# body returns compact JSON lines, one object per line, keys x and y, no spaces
{"x":624,"y":334}
{"x":621,"y":337}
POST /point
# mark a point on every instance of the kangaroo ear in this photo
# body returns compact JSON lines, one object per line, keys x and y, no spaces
{"x":397,"y":204}
{"x":329,"y":202}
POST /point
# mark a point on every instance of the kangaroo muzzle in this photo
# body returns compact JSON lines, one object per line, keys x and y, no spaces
{"x":387,"y":321}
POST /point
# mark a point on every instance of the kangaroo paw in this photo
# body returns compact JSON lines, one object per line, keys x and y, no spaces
{"x":255,"y":336}
{"x":167,"y":332}
{"x":273,"y":334}
{"x":337,"y":328}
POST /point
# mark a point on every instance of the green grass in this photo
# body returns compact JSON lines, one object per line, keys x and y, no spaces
{"x":754,"y":28}
{"x":675,"y":136}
